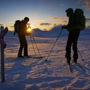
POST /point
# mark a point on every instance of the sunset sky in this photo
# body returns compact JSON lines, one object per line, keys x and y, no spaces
{"x":43,"y":14}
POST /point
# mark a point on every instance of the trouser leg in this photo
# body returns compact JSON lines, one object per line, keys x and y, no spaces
{"x":68,"y":48}
{"x":25,"y":50}
{"x":25,"y":47}
{"x":75,"y":55}
{"x":75,"y":50}
{"x":23,"y":44}
{"x":20,"y":51}
{"x":68,"y":52}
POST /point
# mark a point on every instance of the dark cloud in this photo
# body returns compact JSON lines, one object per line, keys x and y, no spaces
{"x":87,"y":19}
{"x":1,"y":24}
{"x":11,"y":26}
{"x":86,"y":4}
{"x":47,"y":24}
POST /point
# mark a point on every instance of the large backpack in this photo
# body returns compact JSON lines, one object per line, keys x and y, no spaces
{"x":79,"y":20}
{"x":17,"y":26}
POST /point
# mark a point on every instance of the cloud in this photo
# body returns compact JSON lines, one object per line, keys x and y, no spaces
{"x":1,"y":24}
{"x":11,"y":26}
{"x":61,"y":20}
{"x":58,"y":18}
{"x":86,"y":4}
{"x":47,"y":24}
{"x":88,"y":19}
{"x":80,"y":1}
{"x":55,"y":18}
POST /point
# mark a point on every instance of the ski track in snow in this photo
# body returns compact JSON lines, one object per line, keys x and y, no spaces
{"x":36,"y":74}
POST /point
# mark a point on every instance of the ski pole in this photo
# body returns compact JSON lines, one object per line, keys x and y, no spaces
{"x":37,"y":47}
{"x":53,"y":45}
{"x":33,"y":45}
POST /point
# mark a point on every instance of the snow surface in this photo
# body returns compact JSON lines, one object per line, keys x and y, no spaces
{"x":36,"y":74}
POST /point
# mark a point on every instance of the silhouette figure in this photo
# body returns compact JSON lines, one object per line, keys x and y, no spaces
{"x":75,"y":24}
{"x":20,"y":29}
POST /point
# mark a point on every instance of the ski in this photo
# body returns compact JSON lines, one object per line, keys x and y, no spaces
{"x":37,"y":57}
{"x":80,"y":67}
{"x":70,"y":68}
{"x":77,"y":65}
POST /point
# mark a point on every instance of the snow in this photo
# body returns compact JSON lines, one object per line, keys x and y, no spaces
{"x":36,"y":74}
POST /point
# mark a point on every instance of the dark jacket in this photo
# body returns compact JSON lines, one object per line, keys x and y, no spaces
{"x":23,"y":28}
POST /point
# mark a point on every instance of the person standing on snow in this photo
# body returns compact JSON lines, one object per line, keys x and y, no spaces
{"x":20,"y":29}
{"x":75,"y":24}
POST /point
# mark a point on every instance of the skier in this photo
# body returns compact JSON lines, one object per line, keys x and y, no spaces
{"x":20,"y":29}
{"x":74,"y":26}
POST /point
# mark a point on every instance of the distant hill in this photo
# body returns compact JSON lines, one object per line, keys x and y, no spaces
{"x":54,"y":32}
